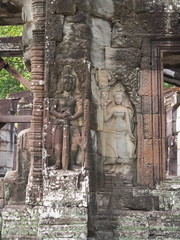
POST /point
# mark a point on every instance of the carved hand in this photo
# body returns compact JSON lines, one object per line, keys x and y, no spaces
{"x":105,"y":103}
{"x":63,"y":115}
{"x":132,"y":138}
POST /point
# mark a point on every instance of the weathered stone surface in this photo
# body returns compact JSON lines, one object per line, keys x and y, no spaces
{"x":10,"y":12}
{"x":120,"y":39}
{"x":147,"y":121}
{"x":169,"y":26}
{"x":11,"y":46}
{"x":140,"y":225}
{"x":136,"y":225}
{"x":79,"y":17}
{"x":75,"y":231}
{"x":75,"y":40}
{"x":117,"y":58}
{"x":15,"y":181}
{"x":19,"y":221}
{"x":99,"y":8}
{"x":145,"y":83}
{"x":83,"y":5}
{"x":65,"y":206}
{"x":65,"y":7}
{"x":130,"y":79}
{"x":1,"y":196}
{"x":66,"y":189}
{"x":103,"y":8}
{"x":101,"y":37}
{"x":123,"y":37}
{"x":146,"y":104}
{"x":79,"y":68}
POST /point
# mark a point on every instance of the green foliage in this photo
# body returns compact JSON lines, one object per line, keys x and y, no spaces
{"x":168,"y":85}
{"x":8,"y":84}
{"x":11,"y":31}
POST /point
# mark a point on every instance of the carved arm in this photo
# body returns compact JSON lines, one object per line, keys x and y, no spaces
{"x":79,"y":111}
{"x":54,"y":113}
{"x":107,"y":116}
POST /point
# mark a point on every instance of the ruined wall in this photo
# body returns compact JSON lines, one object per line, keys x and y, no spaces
{"x":17,"y":104}
{"x":7,"y":139}
{"x":97,"y":136}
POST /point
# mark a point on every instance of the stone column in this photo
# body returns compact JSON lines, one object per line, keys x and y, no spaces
{"x":178,"y":140}
{"x":34,"y":191}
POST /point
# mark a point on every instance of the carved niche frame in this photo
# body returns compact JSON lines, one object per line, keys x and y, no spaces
{"x":151,"y":162}
{"x":41,"y":57}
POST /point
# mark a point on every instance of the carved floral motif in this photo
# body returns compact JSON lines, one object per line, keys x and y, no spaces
{"x":130,"y":81}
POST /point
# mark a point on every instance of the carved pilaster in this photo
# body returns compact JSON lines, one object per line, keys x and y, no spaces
{"x":37,"y":87}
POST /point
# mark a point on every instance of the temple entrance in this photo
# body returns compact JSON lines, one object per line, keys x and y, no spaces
{"x":171,"y":62}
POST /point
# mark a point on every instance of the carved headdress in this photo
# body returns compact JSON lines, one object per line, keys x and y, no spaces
{"x":67,"y":75}
{"x":119,"y":88}
{"x":66,"y":78}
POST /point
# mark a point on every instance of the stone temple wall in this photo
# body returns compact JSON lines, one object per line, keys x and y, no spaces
{"x":96,"y":144}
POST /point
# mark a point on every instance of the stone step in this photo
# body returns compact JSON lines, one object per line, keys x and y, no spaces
{"x":65,"y":195}
{"x":19,"y":220}
{"x":64,"y":214}
{"x":168,"y":193}
{"x":132,"y":225}
{"x":39,"y":223}
{"x":171,"y":184}
{"x":64,"y":231}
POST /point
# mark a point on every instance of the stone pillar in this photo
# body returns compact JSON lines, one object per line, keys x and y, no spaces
{"x":178,"y":140}
{"x":34,"y":190}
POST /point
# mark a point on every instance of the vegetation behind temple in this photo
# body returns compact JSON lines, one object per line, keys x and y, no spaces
{"x":8,"y":84}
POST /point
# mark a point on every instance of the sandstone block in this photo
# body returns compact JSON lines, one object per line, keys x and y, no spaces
{"x":148,"y":156}
{"x":123,"y":37}
{"x":1,"y":188}
{"x":101,"y":38}
{"x":117,"y":58}
{"x":147,"y":121}
{"x":156,"y":149}
{"x":140,"y":135}
{"x":67,"y":7}
{"x":55,"y":28}
{"x":146,"y":104}
{"x":145,"y":83}
{"x":155,"y":105}
{"x":156,"y":127}
{"x":146,"y":63}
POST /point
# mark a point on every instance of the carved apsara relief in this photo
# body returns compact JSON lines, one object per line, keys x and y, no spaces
{"x":117,"y":143}
{"x":64,"y":116}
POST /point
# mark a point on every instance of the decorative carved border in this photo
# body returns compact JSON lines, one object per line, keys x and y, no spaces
{"x":11,"y":47}
{"x":151,"y":165}
{"x":34,"y":192}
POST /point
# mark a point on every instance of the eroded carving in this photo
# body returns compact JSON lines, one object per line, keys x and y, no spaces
{"x":130,"y":80}
{"x":65,"y":112}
